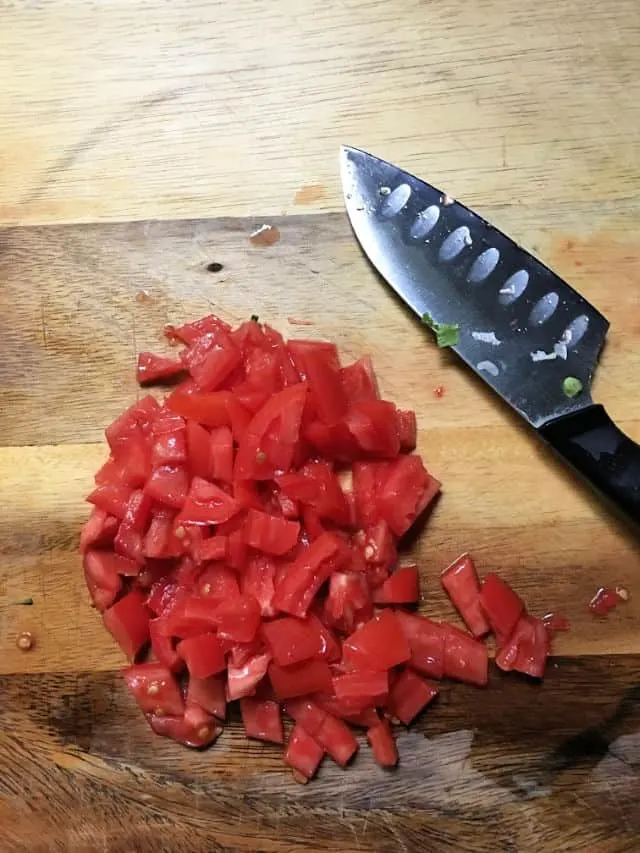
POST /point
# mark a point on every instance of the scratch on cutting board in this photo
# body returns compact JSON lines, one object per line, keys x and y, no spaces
{"x":98,"y":134}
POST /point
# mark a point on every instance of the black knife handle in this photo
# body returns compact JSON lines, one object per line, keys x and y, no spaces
{"x":602,"y":453}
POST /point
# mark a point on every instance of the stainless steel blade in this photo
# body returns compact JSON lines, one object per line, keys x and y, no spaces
{"x":522,"y":328}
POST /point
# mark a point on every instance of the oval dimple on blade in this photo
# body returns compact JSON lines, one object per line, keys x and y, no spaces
{"x":394,"y":202}
{"x":425,"y":222}
{"x":454,"y":243}
{"x":544,"y":309}
{"x":483,"y":265}
{"x":513,"y":288}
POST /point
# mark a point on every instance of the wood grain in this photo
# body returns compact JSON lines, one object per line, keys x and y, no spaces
{"x":137,"y":109}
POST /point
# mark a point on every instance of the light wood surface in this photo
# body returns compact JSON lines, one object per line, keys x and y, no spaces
{"x":178,"y":111}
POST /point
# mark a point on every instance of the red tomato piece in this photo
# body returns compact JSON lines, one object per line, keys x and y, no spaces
{"x":221,"y":454}
{"x":300,"y":679}
{"x":208,"y":694}
{"x":153,"y":368}
{"x":348,"y":602}
{"x":362,"y":684}
{"x":359,"y":381}
{"x":405,"y":492}
{"x":461,"y":583}
{"x":212,"y":548}
{"x":198,"y":449}
{"x":319,"y":362}
{"x":353,"y":711}
{"x":168,"y":485}
{"x":190,"y":332}
{"x":270,"y":438}
{"x":306,"y":575}
{"x":209,"y":409}
{"x":154,"y":688}
{"x":138,"y":511}
{"x":160,"y":540}
{"x":261,"y":719}
{"x":426,"y":640}
{"x":373,"y":424}
{"x":185,"y":732}
{"x":203,"y":655}
{"x":409,"y":694}
{"x":103,"y":584}
{"x":242,"y":679}
{"x":501,"y":605}
{"x":129,"y":464}
{"x":366,"y":483}
{"x":270,"y":534}
{"x":330,"y":733}
{"x":293,"y":640}
{"x":111,"y":499}
{"x":98,"y":530}
{"x":207,"y":503}
{"x":378,"y":548}
{"x":138,"y":416}
{"x":331,"y":651}
{"x":211,"y":359}
{"x":604,"y":601}
{"x":465,"y":658}
{"x":102,"y":563}
{"x":303,"y":753}
{"x":190,"y":616}
{"x":169,"y":443}
{"x":402,"y":587}
{"x":527,"y":648}
{"x":162,"y":645}
{"x":383,"y":744}
{"x":379,"y":644}
{"x":332,"y":441}
{"x":128,"y":622}
{"x":164,"y":595}
{"x":316,"y":485}
{"x":258,"y":581}
{"x":407,"y":426}
{"x":238,"y":618}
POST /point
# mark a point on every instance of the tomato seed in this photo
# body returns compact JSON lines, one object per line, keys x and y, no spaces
{"x":153,"y":689}
{"x":24,"y":641}
{"x":622,"y":592}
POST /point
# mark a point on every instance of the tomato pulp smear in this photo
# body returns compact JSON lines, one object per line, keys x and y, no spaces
{"x":230,"y":562}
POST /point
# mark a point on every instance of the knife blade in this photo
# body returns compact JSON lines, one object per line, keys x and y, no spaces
{"x":520,"y":327}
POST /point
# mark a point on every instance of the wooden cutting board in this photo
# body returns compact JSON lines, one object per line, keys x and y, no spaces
{"x":516,"y":767}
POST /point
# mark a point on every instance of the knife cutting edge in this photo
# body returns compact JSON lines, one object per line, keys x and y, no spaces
{"x":517,"y":324}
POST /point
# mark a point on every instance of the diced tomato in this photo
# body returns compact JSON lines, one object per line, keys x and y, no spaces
{"x":103,"y":563}
{"x":238,"y":618}
{"x":103,"y":584}
{"x":349,"y":601}
{"x":184,"y":732}
{"x":426,"y":641}
{"x":373,"y":424}
{"x":407,"y":430}
{"x":160,"y":540}
{"x":209,"y":409}
{"x":604,"y":601}
{"x":203,"y":655}
{"x":270,"y":534}
{"x":190,"y":332}
{"x":316,"y":485}
{"x":383,"y":744}
{"x":198,"y":449}
{"x":465,"y":658}
{"x":190,"y":616}
{"x":405,"y":492}
{"x":300,"y":679}
{"x":501,"y":605}
{"x":293,"y":640}
{"x":270,"y":438}
{"x":210,"y":548}
{"x":409,"y":694}
{"x":162,"y":645}
{"x":221,"y":454}
{"x":258,"y":581}
{"x":379,"y":644}
{"x":153,"y":368}
{"x":333,"y":441}
{"x":461,"y":583}
{"x":330,"y":651}
{"x":111,"y":499}
{"x":312,"y":524}
{"x":98,"y":530}
{"x":321,"y":366}
{"x":208,"y":694}
{"x":243,"y":679}
{"x":139,"y":415}
{"x":303,"y":753}
{"x":356,"y":712}
{"x":306,"y":575}
{"x":359,"y":381}
{"x":378,"y":548}
{"x":527,"y":648}
{"x":169,"y":443}
{"x":366,"y":482}
{"x":402,"y":587}
{"x":168,"y":485}
{"x":211,"y":358}
{"x":261,"y":719}
{"x":164,"y":595}
{"x":129,"y":464}
{"x":330,"y":733}
{"x":154,"y":688}
{"x":207,"y":503}
{"x":362,"y":684}
{"x":128,"y":622}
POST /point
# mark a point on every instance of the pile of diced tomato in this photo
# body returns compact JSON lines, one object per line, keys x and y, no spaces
{"x":243,"y":545}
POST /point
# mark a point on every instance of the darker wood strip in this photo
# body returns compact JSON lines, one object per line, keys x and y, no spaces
{"x":518,"y":767}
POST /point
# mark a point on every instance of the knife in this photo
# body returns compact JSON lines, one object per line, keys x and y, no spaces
{"x":518,"y":325}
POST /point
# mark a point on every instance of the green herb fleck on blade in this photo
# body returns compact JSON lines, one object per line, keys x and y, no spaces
{"x":447,"y":335}
{"x":255,"y":318}
{"x":571,"y":386}
{"x":24,"y":601}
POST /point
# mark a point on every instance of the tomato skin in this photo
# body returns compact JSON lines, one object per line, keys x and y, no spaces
{"x":402,"y":587}
{"x":359,"y":381}
{"x":383,"y":744}
{"x":306,"y":575}
{"x":103,"y":584}
{"x":501,"y":605}
{"x":379,"y":644}
{"x":138,"y":416}
{"x":111,"y":499}
{"x":373,"y":424}
{"x":211,"y":359}
{"x":242,"y":679}
{"x":202,"y":654}
{"x":527,"y":648}
{"x":465,"y":658}
{"x":407,"y":430}
{"x":300,"y":679}
{"x":98,"y":530}
{"x":405,"y":492}
{"x":184,"y":732}
{"x":154,"y":688}
{"x":261,"y":719}
{"x":153,"y":368}
{"x":320,"y":364}
{"x":303,"y":753}
{"x":270,"y":534}
{"x":460,"y":581}
{"x":426,"y":641}
{"x":128,"y":622}
{"x":293,"y":640}
{"x":208,"y":694}
{"x":238,"y":618}
{"x":210,"y":409}
{"x":409,"y":694}
{"x":362,"y":684}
